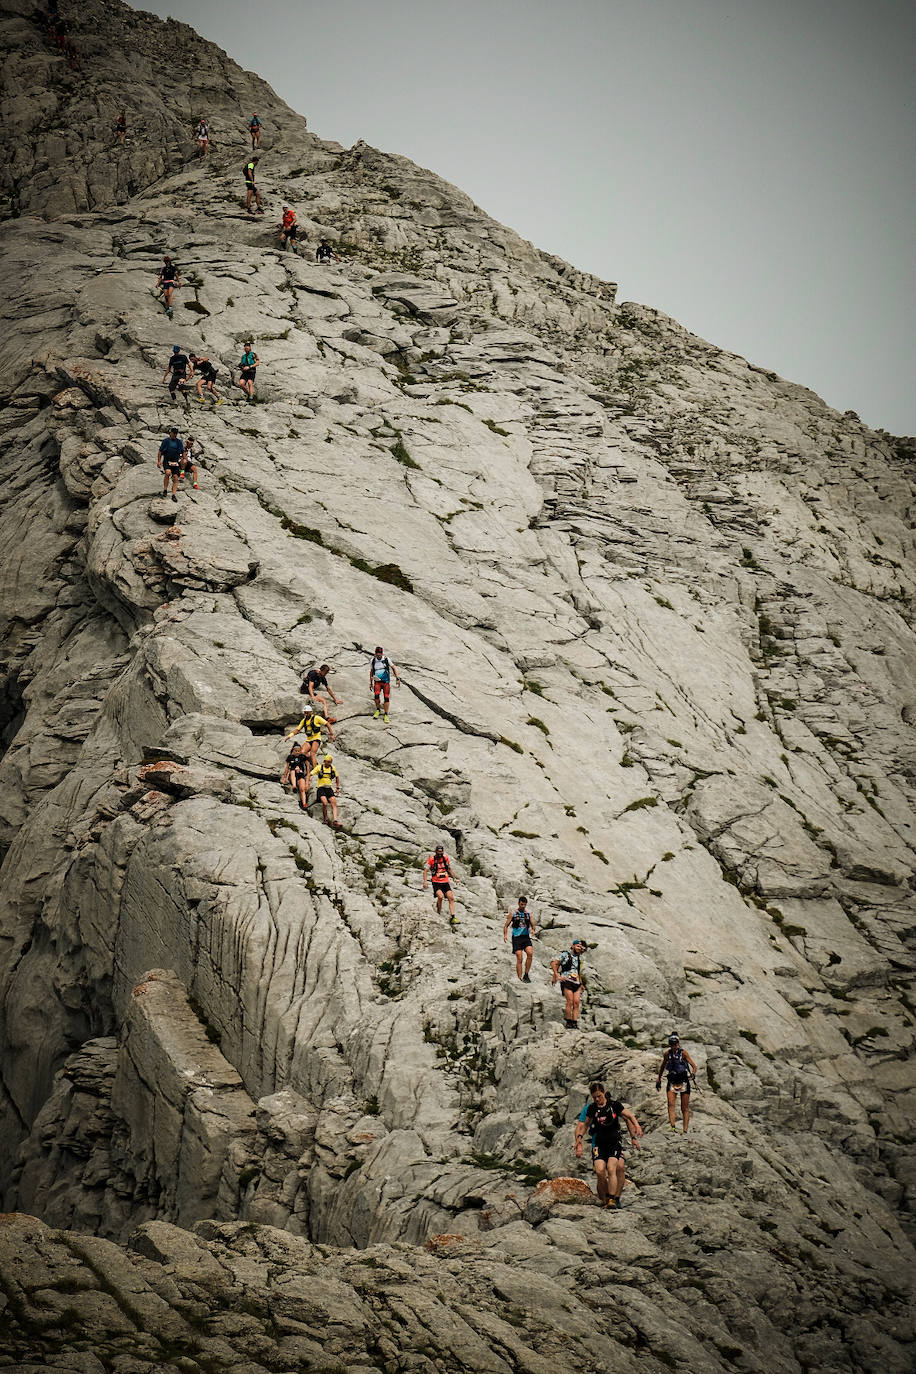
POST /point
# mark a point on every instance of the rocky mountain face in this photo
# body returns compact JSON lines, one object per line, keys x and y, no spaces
{"x":260,"y":1107}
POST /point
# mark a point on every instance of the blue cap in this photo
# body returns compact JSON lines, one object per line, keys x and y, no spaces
{"x":580,"y":941}
{"x":176,"y":348}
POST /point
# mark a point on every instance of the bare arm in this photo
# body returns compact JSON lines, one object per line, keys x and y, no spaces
{"x":633,"y":1126}
{"x":661,"y":1069}
{"x":555,"y":965}
{"x":285,"y":779}
{"x":397,"y":676}
{"x":425,"y":875}
{"x":295,"y":730}
{"x":506,"y":924}
{"x":693,"y":1067}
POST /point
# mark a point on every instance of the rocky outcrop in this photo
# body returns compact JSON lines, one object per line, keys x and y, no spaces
{"x":652,"y":608}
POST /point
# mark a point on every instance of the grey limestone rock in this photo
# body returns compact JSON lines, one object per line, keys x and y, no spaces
{"x":271,"y":1109}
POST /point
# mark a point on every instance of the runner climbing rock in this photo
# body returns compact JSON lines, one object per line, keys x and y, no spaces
{"x":250,"y":188}
{"x":189,"y":462}
{"x":297,"y":772}
{"x":205,"y":373}
{"x":248,"y":364}
{"x":567,"y":969}
{"x":288,"y":229}
{"x":120,"y":127}
{"x":166,"y":283}
{"x":680,"y":1068}
{"x":254,"y":128}
{"x":523,"y":927}
{"x":312,"y":725}
{"x":168,"y":459}
{"x":438,"y":868}
{"x":315,"y":678}
{"x":327,"y":783}
{"x":177,"y":366}
{"x":380,"y":671}
{"x":325,"y":253}
{"x":601,"y":1119}
{"x":202,"y":134}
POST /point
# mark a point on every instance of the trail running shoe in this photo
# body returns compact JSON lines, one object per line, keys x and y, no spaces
{"x":376,"y":716}
{"x":386,"y":719}
{"x":526,"y":979}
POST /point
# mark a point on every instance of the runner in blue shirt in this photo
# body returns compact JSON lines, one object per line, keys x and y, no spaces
{"x":523,"y":927}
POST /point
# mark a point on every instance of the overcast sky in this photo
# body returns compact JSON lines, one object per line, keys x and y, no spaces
{"x":747,"y":166}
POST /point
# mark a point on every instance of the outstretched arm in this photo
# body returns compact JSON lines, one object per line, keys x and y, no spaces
{"x":295,"y":730}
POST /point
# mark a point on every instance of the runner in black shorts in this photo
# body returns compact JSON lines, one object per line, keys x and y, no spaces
{"x":523,"y":928}
{"x":438,"y":867}
{"x":602,"y":1118}
{"x":248,"y":367}
{"x":206,"y":376}
{"x":298,"y":771}
{"x":177,"y":366}
{"x":169,"y":460}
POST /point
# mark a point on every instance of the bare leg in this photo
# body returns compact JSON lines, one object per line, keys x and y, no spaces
{"x":529,"y":952}
{"x":602,"y":1180}
{"x":519,"y":957}
{"x":685,"y":1110}
{"x":672,"y":1099}
{"x":617,"y":1177}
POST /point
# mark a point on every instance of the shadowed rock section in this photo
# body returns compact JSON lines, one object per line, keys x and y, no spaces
{"x":653,"y":611}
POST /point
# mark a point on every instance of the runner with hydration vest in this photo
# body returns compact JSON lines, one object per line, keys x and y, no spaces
{"x":248,"y":365}
{"x":254,"y":128}
{"x":169,"y":460}
{"x":567,"y":970}
{"x":680,"y":1069}
{"x":438,"y":868}
{"x":380,"y":671}
{"x":166,"y":282}
{"x":288,"y":229}
{"x":250,"y":188}
{"x":523,"y":927}
{"x":312,"y":724}
{"x":177,"y":366}
{"x":327,"y":782}
{"x":298,"y":771}
{"x":601,"y":1119}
